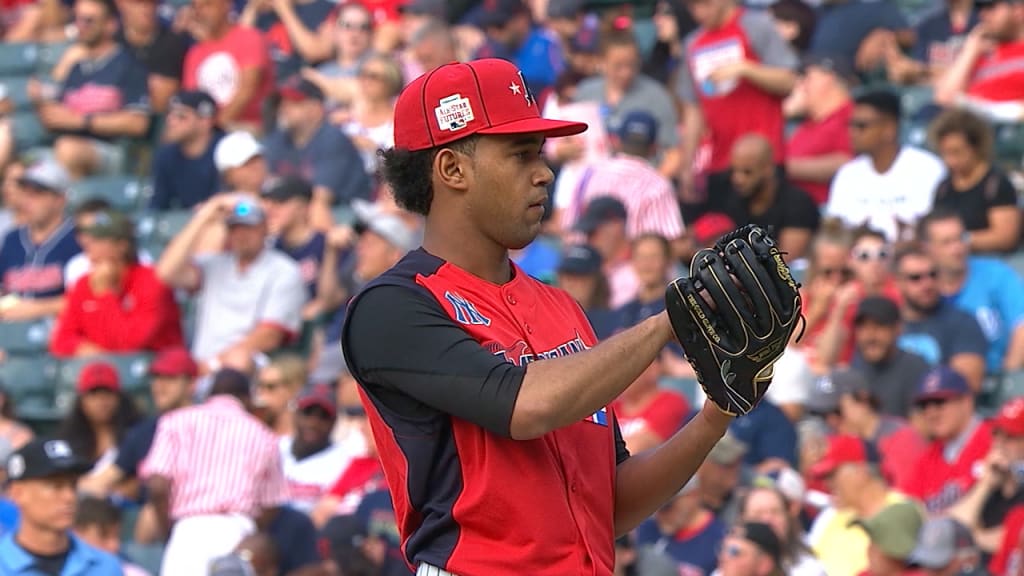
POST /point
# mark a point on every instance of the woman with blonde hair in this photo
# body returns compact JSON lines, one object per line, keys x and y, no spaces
{"x":370,"y":121}
{"x":278,"y":385}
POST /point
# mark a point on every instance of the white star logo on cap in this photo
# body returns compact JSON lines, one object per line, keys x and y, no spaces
{"x":515,"y":88}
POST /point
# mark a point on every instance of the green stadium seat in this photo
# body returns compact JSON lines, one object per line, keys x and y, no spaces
{"x":31,"y":382}
{"x":915,"y":98}
{"x":25,"y":338}
{"x":49,"y":55}
{"x":1009,"y":140}
{"x":1012,"y":386}
{"x":28,"y":132}
{"x":16,"y":90}
{"x":18,"y":58}
{"x":123,"y":192}
{"x":160,"y":227}
{"x":132,"y":368}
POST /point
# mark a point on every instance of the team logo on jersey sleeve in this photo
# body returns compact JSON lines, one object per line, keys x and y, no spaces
{"x":465,"y":311}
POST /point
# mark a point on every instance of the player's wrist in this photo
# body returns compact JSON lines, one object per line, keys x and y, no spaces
{"x":716,"y":418}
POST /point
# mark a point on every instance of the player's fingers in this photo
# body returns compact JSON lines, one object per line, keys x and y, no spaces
{"x":714,"y":277}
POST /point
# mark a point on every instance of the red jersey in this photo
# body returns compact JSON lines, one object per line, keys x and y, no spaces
{"x":142,"y":316}
{"x":215,"y":66}
{"x":440,"y":355}
{"x":663,"y":415}
{"x":734,"y":109}
{"x":830,"y":135}
{"x":938,"y":483}
{"x":999,"y":75}
{"x":1009,"y":559}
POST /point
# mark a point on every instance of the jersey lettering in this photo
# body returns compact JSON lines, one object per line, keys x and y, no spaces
{"x":465,"y":311}
{"x":521,"y":354}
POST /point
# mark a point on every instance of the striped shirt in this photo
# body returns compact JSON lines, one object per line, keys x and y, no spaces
{"x":648,"y":196}
{"x":219,"y":459}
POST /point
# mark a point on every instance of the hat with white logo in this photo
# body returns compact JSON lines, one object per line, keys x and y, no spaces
{"x":43,"y":458}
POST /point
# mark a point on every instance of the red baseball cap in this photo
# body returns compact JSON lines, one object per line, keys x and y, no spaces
{"x":486,"y":96}
{"x":841,"y":450}
{"x":174,"y":362}
{"x":1010,"y":419}
{"x":98,"y":375}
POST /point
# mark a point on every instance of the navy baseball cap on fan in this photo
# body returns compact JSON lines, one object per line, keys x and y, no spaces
{"x":877,"y":309}
{"x":453,"y":101}
{"x":44,"y":458}
{"x":200,"y":102}
{"x":600,"y":210}
{"x":639,"y":127}
{"x":943,"y":383}
{"x":287,"y":187}
{"x":246,"y":213}
{"x":824,"y":397}
{"x":837,"y":65}
{"x":581,"y":260}
{"x":496,"y":13}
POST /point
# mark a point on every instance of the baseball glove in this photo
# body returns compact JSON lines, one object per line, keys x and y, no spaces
{"x":734,"y":315}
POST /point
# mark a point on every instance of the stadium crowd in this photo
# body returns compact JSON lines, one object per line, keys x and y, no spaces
{"x":190,"y":198}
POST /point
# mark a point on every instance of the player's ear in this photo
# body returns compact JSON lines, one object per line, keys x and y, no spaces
{"x":451,"y":167}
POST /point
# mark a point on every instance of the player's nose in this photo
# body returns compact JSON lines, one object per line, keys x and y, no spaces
{"x":544,"y":176}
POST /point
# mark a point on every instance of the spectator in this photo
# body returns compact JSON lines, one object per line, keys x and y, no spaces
{"x":849,"y":469}
{"x":893,"y":373}
{"x":230,"y":63}
{"x":719,"y":476}
{"x":985,"y":509}
{"x":820,"y":145}
{"x":312,"y":462}
{"x":860,"y":31}
{"x":735,"y":61}
{"x":12,"y":213}
{"x":651,"y":256}
{"x":431,"y":45}
{"x":42,"y":476}
{"x":296,"y":540}
{"x":184,"y":171}
{"x":579,"y":274}
{"x":104,"y":97}
{"x":172,"y":385}
{"x":120,"y":305}
{"x":1011,"y":549}
{"x":278,"y":386}
{"x":250,"y":296}
{"x":363,"y":475}
{"x":945,"y":548}
{"x":985,"y":287}
{"x":12,"y":432}
{"x":350,"y":546}
{"x":33,"y":256}
{"x":941,"y":475}
{"x":629,"y":177}
{"x":603,"y":226}
{"x":938,"y":39}
{"x":349,"y":37}
{"x":305,"y":145}
{"x":101,"y":415}
{"x":291,"y":28}
{"x":870,"y":264}
{"x":240,"y":160}
{"x":769,"y":436}
{"x":751,"y":549}
{"x":761,"y":195}
{"x":214,"y":471}
{"x":371,"y":125}
{"x":621,"y":89}
{"x":978,"y":191}
{"x":84,"y":216}
{"x":256,"y":554}
{"x":893,"y":534}
{"x":888,"y":186}
{"x":649,"y":415}
{"x":511,"y":34}
{"x":791,"y":384}
{"x":828,"y":273}
{"x":769,"y":505}
{"x":935,"y":329}
{"x":685,"y":531}
{"x":794,"y":21}
{"x":159,"y":48}
{"x":982,"y":77}
{"x":98,"y":524}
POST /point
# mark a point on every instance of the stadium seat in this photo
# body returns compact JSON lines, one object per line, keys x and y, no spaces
{"x":18,"y":59}
{"x":132,"y":368}
{"x":49,"y":55}
{"x":160,"y":227}
{"x":123,"y":192}
{"x":28,"y":132}
{"x":30,"y":380}
{"x":25,"y":338}
{"x":915,"y":98}
{"x":1009,"y":140}
{"x":16,"y":90}
{"x":342,"y":215}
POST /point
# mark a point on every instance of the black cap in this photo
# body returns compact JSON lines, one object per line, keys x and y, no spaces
{"x":762,"y":536}
{"x":344,"y":533}
{"x":580,"y":260}
{"x":43,"y":458}
{"x":496,"y":13}
{"x":838,"y":65}
{"x":298,"y":89}
{"x":286,"y":188}
{"x":878,"y":309}
{"x":203,"y":104}
{"x":600,"y":210}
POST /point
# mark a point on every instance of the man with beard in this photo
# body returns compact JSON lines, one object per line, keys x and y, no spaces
{"x":933,"y":328}
{"x":311,"y":461}
{"x":184,"y":171}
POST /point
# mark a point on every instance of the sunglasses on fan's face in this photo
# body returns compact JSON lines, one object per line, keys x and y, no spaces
{"x":919,"y":276}
{"x":866,"y":255}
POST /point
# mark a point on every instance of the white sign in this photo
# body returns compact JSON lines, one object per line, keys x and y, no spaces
{"x":454,"y":113}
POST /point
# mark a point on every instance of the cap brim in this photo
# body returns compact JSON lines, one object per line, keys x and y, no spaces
{"x":33,"y":183}
{"x":941,"y":394}
{"x":543,"y":126}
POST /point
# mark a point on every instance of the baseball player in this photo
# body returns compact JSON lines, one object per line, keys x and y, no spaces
{"x":486,"y":390}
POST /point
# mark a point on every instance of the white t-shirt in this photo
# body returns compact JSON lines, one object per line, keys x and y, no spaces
{"x":792,"y":381}
{"x":79,"y":266}
{"x":860,"y":195}
{"x":310,"y":478}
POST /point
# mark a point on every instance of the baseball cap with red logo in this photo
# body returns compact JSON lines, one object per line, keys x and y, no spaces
{"x":844,"y":449}
{"x":941,"y":382}
{"x":1010,"y":419}
{"x":453,"y":101}
{"x":98,"y":376}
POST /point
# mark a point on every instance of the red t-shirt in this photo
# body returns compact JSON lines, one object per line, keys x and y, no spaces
{"x":383,"y":10}
{"x":663,"y":415}
{"x":143,"y":316}
{"x":939,"y":484}
{"x":900,"y":451}
{"x":999,"y":76}
{"x":813,"y":138}
{"x":732,"y":111}
{"x":1009,"y":559}
{"x":362,"y":473}
{"x":215,"y":66}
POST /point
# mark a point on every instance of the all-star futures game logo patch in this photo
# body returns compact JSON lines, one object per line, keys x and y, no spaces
{"x":453,"y":113}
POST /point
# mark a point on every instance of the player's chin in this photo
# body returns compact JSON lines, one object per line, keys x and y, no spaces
{"x":526,"y":234}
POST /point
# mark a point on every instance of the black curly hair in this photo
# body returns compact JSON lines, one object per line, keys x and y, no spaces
{"x":409,"y":173}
